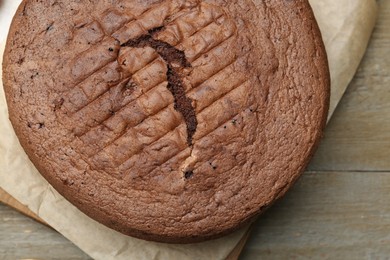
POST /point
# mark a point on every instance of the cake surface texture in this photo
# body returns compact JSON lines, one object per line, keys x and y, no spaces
{"x":175,"y":121}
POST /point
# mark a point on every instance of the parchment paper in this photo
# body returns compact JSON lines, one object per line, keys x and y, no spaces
{"x":346,"y":26}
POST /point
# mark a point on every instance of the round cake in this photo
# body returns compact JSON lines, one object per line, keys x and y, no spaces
{"x":175,"y":121}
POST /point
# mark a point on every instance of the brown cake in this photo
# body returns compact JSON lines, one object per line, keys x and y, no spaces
{"x":174,"y":121}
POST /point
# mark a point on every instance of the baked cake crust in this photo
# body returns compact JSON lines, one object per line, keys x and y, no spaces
{"x":175,"y":121}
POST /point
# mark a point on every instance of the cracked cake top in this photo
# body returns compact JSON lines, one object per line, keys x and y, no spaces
{"x":174,"y":121}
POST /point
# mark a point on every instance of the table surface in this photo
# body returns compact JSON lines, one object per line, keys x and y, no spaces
{"x":339,"y":209}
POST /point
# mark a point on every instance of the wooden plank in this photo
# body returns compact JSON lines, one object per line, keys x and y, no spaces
{"x":328,"y":215}
{"x":358,"y":136}
{"x":6,"y":199}
{"x":24,"y":238}
{"x":338,"y":215}
{"x":325,"y":216}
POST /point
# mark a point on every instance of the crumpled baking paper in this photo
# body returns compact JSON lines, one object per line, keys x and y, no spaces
{"x":346,"y":26}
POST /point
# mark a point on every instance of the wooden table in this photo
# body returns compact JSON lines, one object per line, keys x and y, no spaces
{"x":339,"y":209}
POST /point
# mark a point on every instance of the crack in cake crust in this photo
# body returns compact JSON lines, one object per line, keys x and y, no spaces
{"x":176,"y":62}
{"x":213,"y":31}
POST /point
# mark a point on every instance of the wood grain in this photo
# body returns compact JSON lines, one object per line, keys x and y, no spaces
{"x":358,"y":136}
{"x":8,"y":200}
{"x":23,"y":238}
{"x":327,"y":215}
{"x":342,"y":210}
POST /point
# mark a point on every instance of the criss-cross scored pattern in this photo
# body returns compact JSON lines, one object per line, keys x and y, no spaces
{"x":125,"y":89}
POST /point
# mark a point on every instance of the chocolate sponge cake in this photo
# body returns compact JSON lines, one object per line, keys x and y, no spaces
{"x":168,"y":120}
